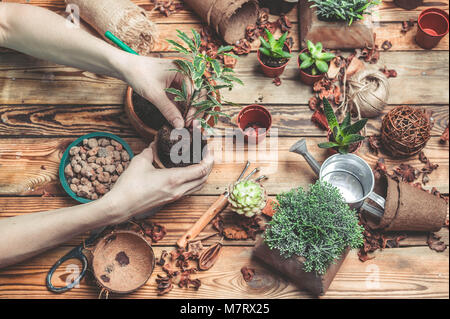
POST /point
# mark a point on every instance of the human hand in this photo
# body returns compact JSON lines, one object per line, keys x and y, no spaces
{"x":149,"y":77}
{"x":142,"y":187}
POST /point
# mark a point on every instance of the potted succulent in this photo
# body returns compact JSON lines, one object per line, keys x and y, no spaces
{"x":247,"y":198}
{"x":338,"y":24}
{"x":254,"y":121}
{"x":310,"y":235}
{"x":343,"y":137}
{"x":207,"y":76}
{"x":274,"y":55}
{"x":313,"y":62}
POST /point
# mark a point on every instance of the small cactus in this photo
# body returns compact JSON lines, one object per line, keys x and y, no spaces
{"x":247,"y":198}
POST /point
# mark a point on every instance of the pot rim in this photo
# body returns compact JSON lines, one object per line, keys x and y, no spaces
{"x":130,"y":106}
{"x":274,"y":68}
{"x":434,"y":12}
{"x":360,"y":159}
{"x":257,"y":107}
{"x":97,"y":247}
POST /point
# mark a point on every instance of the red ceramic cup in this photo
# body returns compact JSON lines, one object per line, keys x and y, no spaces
{"x":254,"y":121}
{"x":306,"y":78}
{"x":433,"y":25}
{"x":270,"y":71}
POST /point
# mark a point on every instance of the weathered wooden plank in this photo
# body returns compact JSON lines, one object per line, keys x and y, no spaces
{"x":415,"y":272}
{"x":387,"y":11}
{"x":176,"y":217}
{"x":65,"y":120}
{"x":25,"y":80}
{"x":28,"y":166}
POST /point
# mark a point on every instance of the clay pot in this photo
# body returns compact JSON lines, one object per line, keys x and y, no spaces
{"x":122,"y":262}
{"x":433,"y":25}
{"x":408,"y":4}
{"x":272,"y":72}
{"x":278,"y":7}
{"x":256,"y":116}
{"x":306,"y":78}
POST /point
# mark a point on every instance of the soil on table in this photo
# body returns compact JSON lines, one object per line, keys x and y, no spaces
{"x":148,"y":113}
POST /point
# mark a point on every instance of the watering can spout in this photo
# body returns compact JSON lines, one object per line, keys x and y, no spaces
{"x":300,"y":148}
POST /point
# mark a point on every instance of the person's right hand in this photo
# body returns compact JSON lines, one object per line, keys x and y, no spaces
{"x":143,"y":187}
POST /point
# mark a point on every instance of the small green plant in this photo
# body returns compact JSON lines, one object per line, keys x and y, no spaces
{"x":344,"y":134}
{"x":274,"y":48}
{"x":346,"y":10}
{"x":315,"y":59}
{"x":207,"y":76}
{"x":316,"y":224}
{"x":247,"y":198}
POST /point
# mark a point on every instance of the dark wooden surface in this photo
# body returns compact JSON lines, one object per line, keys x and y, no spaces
{"x":43,"y":107}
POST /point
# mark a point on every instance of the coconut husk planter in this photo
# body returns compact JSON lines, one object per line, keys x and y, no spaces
{"x":334,"y":34}
{"x":229,"y":18}
{"x":409,"y":208}
{"x":123,"y":18}
{"x":293,"y":269}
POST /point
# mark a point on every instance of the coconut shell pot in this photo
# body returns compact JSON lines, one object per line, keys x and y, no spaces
{"x":122,"y":262}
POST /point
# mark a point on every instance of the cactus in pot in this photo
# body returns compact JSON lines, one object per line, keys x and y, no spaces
{"x":247,"y":198}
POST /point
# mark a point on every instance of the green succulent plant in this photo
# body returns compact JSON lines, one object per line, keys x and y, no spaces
{"x":344,"y":134}
{"x":315,"y":59}
{"x":247,"y":198}
{"x":207,"y":74}
{"x":274,"y":48}
{"x":346,"y":10}
{"x":316,"y":224}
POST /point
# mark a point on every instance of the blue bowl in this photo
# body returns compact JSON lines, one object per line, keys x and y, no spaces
{"x":65,"y":160}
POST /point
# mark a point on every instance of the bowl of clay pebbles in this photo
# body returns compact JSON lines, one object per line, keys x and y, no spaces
{"x":92,"y":164}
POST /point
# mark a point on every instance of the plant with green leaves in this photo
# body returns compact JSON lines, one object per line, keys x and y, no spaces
{"x":315,"y":58}
{"x":207,"y":75}
{"x":247,"y":198}
{"x":344,"y":134}
{"x":274,"y":48}
{"x":346,"y":10}
{"x":316,"y":224}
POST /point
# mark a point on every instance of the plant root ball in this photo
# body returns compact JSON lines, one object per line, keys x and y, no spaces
{"x":94,"y":167}
{"x":405,"y":131}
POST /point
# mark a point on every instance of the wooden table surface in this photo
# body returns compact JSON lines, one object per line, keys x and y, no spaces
{"x":44,"y":106}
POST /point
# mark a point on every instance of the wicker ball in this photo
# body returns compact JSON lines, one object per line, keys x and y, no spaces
{"x":405,"y":131}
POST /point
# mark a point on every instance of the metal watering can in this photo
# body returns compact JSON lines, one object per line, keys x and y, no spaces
{"x":350,"y":174}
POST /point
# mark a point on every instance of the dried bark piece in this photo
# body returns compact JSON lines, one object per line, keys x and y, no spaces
{"x":247,"y":273}
{"x":209,"y":256}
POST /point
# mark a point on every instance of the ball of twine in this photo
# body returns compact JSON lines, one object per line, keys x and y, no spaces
{"x":405,"y":131}
{"x":368,"y":93}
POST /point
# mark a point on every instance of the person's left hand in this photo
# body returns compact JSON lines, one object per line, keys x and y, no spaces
{"x":149,"y":77}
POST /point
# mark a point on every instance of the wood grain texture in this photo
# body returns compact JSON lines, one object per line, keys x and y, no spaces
{"x":177,"y":217}
{"x":28,"y":166}
{"x":415,"y":272}
{"x":74,"y":120}
{"x":25,"y":80}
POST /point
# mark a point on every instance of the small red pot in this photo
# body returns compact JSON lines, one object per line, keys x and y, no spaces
{"x":433,"y":25}
{"x":306,"y":78}
{"x":270,"y":71}
{"x":256,"y":117}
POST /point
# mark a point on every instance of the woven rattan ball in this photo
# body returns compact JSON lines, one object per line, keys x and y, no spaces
{"x":405,"y":131}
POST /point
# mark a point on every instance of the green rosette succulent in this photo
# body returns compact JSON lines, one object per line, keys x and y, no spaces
{"x":247,"y":198}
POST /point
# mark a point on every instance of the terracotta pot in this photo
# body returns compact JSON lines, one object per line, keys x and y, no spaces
{"x":433,"y":25}
{"x":257,"y":115}
{"x":408,"y":4}
{"x":353,"y":148}
{"x":306,"y":78}
{"x":272,"y":72}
